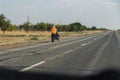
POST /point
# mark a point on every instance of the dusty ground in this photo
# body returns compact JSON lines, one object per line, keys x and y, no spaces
{"x":10,"y":46}
{"x":64,"y":36}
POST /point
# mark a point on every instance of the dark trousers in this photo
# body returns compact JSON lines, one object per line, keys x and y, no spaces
{"x":52,"y":37}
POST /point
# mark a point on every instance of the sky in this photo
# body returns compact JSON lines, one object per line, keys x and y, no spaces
{"x":99,"y":13}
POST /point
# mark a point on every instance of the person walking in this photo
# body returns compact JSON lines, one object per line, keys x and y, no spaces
{"x":53,"y":33}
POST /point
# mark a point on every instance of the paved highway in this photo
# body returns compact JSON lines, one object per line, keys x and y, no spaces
{"x":81,"y":55}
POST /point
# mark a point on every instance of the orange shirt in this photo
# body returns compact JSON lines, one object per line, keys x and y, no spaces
{"x":53,"y":30}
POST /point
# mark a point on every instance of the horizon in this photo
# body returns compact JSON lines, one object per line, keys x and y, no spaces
{"x":99,"y":13}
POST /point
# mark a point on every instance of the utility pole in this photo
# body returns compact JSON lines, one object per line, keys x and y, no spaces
{"x":28,"y":19}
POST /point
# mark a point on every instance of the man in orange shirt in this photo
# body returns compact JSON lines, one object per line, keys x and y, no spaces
{"x":53,"y":33}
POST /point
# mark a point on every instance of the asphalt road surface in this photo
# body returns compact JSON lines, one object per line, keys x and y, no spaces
{"x":81,"y":55}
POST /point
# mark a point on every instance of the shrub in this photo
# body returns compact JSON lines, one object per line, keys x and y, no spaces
{"x":13,"y":35}
{"x":34,"y":38}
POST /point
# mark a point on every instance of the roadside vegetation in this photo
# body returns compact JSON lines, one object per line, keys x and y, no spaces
{"x":28,"y":32}
{"x":118,"y":31}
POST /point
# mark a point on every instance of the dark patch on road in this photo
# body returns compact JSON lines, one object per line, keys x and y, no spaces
{"x":7,"y":58}
{"x":33,"y":53}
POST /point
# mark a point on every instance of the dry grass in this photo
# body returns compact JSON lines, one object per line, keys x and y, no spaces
{"x":78,"y":33}
{"x":21,"y":36}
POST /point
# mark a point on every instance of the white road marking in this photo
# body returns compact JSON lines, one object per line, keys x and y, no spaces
{"x":28,"y":47}
{"x":102,"y":36}
{"x":118,"y":37}
{"x":96,"y":57}
{"x":56,"y":56}
{"x":84,"y":44}
{"x":32,"y":66}
{"x":66,"y":44}
{"x":49,"y":59}
{"x":95,"y":39}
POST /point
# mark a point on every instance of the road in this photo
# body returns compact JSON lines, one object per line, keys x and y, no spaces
{"x":81,"y":55}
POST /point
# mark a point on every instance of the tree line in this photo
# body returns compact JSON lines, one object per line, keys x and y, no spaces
{"x":5,"y":25}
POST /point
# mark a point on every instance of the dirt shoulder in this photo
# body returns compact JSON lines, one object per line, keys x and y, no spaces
{"x":24,"y":44}
{"x":11,"y":46}
{"x":64,"y":36}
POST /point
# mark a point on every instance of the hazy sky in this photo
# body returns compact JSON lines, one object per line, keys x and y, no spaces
{"x":99,"y":13}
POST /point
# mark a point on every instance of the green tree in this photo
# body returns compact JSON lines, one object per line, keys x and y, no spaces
{"x":72,"y":27}
{"x":2,"y":22}
{"x":12,"y":28}
{"x":59,"y":27}
{"x":5,"y":26}
{"x":75,"y":26}
{"x":20,"y":27}
{"x":118,"y":29}
{"x":83,"y":27}
{"x":26,"y":26}
{"x":49,"y":26}
{"x":94,"y":28}
{"x":65,"y":27}
{"x":103,"y":29}
{"x":41,"y":26}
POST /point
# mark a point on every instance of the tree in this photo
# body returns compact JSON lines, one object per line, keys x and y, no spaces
{"x":4,"y":23}
{"x":49,"y":26}
{"x":12,"y":28}
{"x":59,"y":27}
{"x":20,"y":27}
{"x":41,"y":26}
{"x":118,"y":29}
{"x":94,"y":28}
{"x":65,"y":27}
{"x":83,"y":27}
{"x":26,"y":26}
{"x":2,"y":20}
{"x":75,"y":26}
{"x":103,"y":29}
